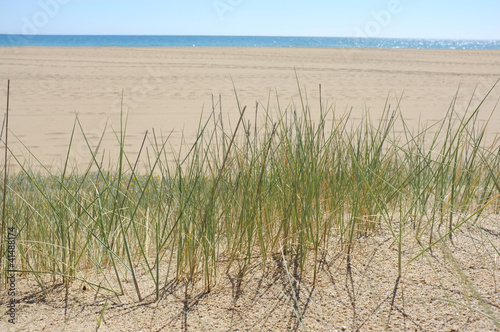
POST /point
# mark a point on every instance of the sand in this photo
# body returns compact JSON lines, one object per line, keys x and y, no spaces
{"x":366,"y":297}
{"x":167,"y":89}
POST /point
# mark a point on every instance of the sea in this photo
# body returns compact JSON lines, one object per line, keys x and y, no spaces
{"x":240,"y":41}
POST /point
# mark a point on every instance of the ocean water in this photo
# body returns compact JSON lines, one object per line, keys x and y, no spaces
{"x":248,"y":41}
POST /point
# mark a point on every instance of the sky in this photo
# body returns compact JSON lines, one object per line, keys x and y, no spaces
{"x":430,"y":19}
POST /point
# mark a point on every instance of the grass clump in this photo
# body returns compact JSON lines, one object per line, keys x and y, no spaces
{"x":295,"y":184}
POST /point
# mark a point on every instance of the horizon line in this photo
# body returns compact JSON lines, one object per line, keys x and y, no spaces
{"x":267,"y":36}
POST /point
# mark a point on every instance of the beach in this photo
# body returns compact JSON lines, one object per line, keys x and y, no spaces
{"x":168,"y":89}
{"x":316,"y":210}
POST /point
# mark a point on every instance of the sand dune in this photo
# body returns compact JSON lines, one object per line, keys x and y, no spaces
{"x":167,"y":89}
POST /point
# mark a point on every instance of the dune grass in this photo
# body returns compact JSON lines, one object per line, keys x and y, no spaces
{"x":293,"y":184}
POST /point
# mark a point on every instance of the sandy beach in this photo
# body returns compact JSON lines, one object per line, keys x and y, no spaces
{"x":167,"y":89}
{"x":448,"y":268}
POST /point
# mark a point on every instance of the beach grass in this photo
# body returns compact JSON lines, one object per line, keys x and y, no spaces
{"x":286,"y":181}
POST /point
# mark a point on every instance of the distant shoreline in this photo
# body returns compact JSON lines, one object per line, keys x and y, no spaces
{"x":13,"y":40}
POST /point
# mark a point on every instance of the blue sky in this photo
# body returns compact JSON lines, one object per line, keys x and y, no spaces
{"x":478,"y":19}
